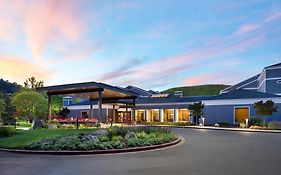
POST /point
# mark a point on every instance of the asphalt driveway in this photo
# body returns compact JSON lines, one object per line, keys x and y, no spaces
{"x":204,"y":152}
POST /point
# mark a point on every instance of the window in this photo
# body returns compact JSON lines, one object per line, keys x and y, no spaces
{"x":279,"y":81}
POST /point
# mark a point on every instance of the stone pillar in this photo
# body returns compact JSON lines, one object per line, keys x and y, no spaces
{"x":134,"y":111}
{"x":146,"y":115}
{"x":161,"y":115}
{"x":100,"y":106}
{"x":176,"y":113}
{"x":49,"y":107}
{"x":113,"y":114}
{"x":91,"y":109}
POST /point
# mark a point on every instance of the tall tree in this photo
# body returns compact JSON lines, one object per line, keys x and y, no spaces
{"x":32,"y":83}
{"x":2,"y":107}
{"x":30,"y":104}
{"x":196,"y":110}
{"x":265,"y":109}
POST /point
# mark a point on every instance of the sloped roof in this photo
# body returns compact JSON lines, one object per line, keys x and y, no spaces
{"x":243,"y":94}
{"x":273,"y":65}
{"x":234,"y":87}
{"x":137,"y":90}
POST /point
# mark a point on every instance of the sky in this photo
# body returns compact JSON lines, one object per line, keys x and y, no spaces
{"x":152,"y":44}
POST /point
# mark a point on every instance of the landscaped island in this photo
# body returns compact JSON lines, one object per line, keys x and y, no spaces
{"x":88,"y":139}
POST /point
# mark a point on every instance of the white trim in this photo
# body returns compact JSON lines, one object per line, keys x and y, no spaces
{"x":250,"y":88}
{"x":235,"y":107}
{"x":275,"y":78}
{"x":239,"y":101}
{"x":88,"y":107}
{"x":278,"y":81}
{"x":247,"y":84}
{"x":165,"y":104}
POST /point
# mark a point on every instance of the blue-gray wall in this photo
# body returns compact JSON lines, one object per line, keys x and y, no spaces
{"x":77,"y":113}
{"x":225,"y":113}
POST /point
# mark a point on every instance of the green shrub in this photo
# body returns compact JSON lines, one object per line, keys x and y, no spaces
{"x":133,"y":142}
{"x":274,"y":125}
{"x":6,"y":131}
{"x":255,"y":121}
{"x":68,"y":126}
{"x":104,"y":139}
{"x":141,"y":134}
{"x":117,"y":138}
{"x":23,"y":124}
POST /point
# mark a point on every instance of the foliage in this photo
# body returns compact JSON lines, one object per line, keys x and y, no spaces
{"x":70,"y":139}
{"x":274,"y":125}
{"x":30,"y":104}
{"x":199,"y":90}
{"x":32,"y":83}
{"x":56,"y":104}
{"x":7,"y":110}
{"x":255,"y":121}
{"x":167,"y":123}
{"x":23,"y":124}
{"x":196,"y":110}
{"x":8,"y":119}
{"x":265,"y":108}
{"x":55,"y":122}
{"x":68,"y":126}
{"x":64,"y":112}
{"x":257,"y":127}
{"x":6,"y":131}
{"x":8,"y":87}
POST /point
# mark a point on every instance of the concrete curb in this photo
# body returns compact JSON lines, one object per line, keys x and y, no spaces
{"x":110,"y":151}
{"x":219,"y":128}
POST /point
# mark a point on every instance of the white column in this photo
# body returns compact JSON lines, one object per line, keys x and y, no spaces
{"x":161,"y":115}
{"x":146,"y":115}
{"x":176,"y":113}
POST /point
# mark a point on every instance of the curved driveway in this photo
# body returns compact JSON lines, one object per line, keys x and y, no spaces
{"x":204,"y":152}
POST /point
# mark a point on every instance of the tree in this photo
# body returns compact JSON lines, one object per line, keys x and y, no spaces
{"x":30,"y":104}
{"x":265,"y":108}
{"x":56,"y":104}
{"x":196,"y":110}
{"x":2,"y":107}
{"x":64,"y":112}
{"x":32,"y":83}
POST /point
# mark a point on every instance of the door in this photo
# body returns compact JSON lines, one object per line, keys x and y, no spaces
{"x":241,"y":114}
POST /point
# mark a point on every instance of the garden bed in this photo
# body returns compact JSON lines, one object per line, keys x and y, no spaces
{"x":92,"y":141}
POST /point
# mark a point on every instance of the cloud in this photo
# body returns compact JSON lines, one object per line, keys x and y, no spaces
{"x":18,"y":69}
{"x":273,"y":16}
{"x":246,"y":28}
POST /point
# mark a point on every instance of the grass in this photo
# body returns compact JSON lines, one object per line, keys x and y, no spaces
{"x":23,"y":138}
{"x":198,"y":90}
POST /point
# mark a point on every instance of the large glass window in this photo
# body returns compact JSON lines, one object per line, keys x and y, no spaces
{"x":140,"y":115}
{"x":154,"y":115}
{"x":183,"y":115}
{"x":168,"y":115}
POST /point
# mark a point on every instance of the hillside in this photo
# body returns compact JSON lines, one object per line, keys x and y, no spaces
{"x":212,"y":89}
{"x":8,"y":87}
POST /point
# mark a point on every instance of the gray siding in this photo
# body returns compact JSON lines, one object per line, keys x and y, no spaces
{"x":225,"y":113}
{"x":273,"y":73}
{"x":77,"y":113}
{"x":251,"y":85}
{"x":273,"y":87}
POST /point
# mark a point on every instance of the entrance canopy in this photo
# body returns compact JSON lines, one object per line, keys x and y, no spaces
{"x":91,"y":90}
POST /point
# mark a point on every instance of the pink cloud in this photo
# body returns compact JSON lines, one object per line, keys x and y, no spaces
{"x":273,"y":17}
{"x":246,"y":28}
{"x":18,"y":69}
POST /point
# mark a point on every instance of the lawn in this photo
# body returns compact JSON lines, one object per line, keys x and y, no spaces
{"x":23,"y":138}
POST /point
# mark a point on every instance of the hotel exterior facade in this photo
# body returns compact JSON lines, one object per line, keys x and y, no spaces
{"x":233,"y":105}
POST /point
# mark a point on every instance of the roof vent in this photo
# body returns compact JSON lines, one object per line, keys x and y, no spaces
{"x":178,"y":93}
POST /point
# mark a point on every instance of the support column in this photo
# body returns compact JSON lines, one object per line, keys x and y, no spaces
{"x":113,"y":114}
{"x":49,"y":107}
{"x":146,"y":115}
{"x":134,"y":111}
{"x":91,"y":109}
{"x":100,"y":106}
{"x":176,"y":112}
{"x":161,"y":115}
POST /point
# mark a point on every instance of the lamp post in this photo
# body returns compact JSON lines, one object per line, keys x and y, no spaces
{"x":203,"y":121}
{"x":247,"y":122}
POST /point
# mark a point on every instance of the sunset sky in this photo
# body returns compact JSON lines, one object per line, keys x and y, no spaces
{"x":153,"y":44}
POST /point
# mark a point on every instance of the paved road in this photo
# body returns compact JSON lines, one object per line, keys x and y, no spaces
{"x":205,"y":152}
